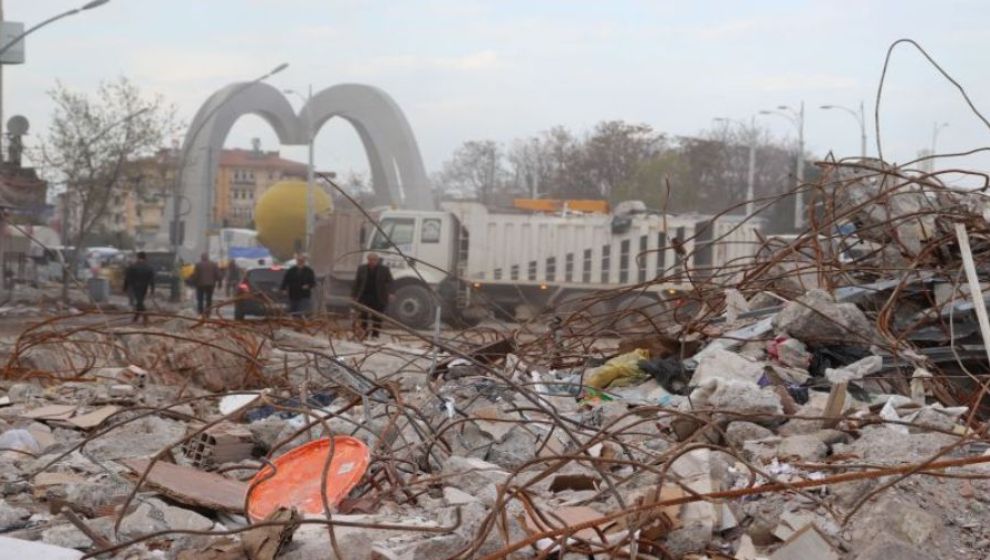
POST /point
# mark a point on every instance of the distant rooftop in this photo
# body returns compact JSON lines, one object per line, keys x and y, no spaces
{"x":254,"y":159}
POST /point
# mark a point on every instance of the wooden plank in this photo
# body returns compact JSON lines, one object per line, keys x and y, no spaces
{"x":834,"y":406}
{"x":94,"y":418}
{"x":51,"y":412}
{"x":192,"y":487}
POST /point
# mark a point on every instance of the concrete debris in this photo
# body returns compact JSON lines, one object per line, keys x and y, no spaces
{"x":154,"y":515}
{"x":807,"y":543}
{"x":726,"y":365}
{"x":191,"y":486}
{"x":817,"y":318}
{"x":825,"y":403}
{"x":17,"y":548}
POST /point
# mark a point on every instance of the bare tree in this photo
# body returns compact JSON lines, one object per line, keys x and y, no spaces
{"x":90,"y":141}
{"x":612,"y":153}
{"x":477,"y":167}
{"x":559,"y":164}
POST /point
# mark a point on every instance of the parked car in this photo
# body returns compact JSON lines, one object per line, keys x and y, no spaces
{"x":258,"y":293}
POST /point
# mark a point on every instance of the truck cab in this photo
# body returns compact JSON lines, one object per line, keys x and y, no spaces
{"x":421,"y":249}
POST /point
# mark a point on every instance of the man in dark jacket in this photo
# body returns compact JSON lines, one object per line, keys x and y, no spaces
{"x":299,"y":281}
{"x":233,"y":277}
{"x":139,"y":278}
{"x":372,"y":289}
{"x":205,"y":278}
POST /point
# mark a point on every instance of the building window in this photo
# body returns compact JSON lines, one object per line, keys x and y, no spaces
{"x":514,"y":272}
{"x":551,"y":272}
{"x":586,"y":270}
{"x":532,"y":271}
{"x":606,"y":262}
{"x":641,"y":259}
{"x":497,"y":275}
{"x":569,"y":267}
{"x":661,"y":253}
{"x":624,"y":261}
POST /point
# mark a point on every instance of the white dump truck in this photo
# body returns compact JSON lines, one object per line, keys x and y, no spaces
{"x":471,"y":261}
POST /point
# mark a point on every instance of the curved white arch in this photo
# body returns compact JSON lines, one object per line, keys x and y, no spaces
{"x":398,"y":175}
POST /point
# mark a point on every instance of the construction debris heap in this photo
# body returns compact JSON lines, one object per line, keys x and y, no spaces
{"x":826,"y":401}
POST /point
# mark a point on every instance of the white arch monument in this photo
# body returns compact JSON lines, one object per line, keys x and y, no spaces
{"x":397,"y":172}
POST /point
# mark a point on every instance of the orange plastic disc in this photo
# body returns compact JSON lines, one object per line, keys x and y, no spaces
{"x":296,"y":482}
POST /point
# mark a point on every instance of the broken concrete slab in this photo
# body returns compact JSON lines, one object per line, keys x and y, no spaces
{"x":739,"y":432}
{"x":854,"y":371}
{"x":892,"y":550}
{"x":153,"y":515}
{"x":12,"y":517}
{"x":817,"y":317}
{"x":51,"y":412}
{"x":191,"y":486}
{"x":17,"y":548}
{"x":759,"y":405}
{"x":808,"y":543}
{"x":726,"y":365}
{"x":802,"y":448}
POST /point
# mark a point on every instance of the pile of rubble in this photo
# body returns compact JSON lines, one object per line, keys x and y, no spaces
{"x":826,"y":402}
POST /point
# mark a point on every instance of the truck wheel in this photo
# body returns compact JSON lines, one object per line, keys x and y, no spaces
{"x":638,"y":313}
{"x":414,"y":306}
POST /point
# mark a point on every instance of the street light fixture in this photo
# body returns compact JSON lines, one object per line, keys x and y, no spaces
{"x":936,"y":128}
{"x":796,"y":116}
{"x":10,"y":44}
{"x":860,"y":118}
{"x":751,"y":171}
{"x":184,"y":154}
{"x":53,"y":19}
{"x":310,"y":139}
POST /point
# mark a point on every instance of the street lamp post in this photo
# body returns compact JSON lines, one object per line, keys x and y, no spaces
{"x":936,"y":128}
{"x":796,"y":117}
{"x":184,"y":154}
{"x":751,"y":170}
{"x":9,"y":44}
{"x":860,"y":118}
{"x":310,"y":139}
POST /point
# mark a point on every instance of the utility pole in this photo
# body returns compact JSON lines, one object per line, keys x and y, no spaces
{"x":310,"y":165}
{"x":862,"y":131}
{"x":797,"y":119}
{"x":751,"y":139}
{"x":799,"y":195}
{"x":310,"y":210}
{"x":860,"y":119}
{"x":4,"y":48}
{"x":751,"y":172}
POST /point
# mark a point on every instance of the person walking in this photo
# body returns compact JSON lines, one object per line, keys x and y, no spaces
{"x":233,"y":277}
{"x":372,"y":289}
{"x":139,"y":278}
{"x":299,"y":282}
{"x":205,"y":278}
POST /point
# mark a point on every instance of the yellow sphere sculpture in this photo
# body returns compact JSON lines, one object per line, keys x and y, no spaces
{"x":280,"y":216}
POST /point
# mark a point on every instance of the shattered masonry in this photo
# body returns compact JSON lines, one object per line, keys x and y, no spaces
{"x":827,"y":401}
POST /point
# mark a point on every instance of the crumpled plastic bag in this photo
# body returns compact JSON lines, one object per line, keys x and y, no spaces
{"x":620,"y":371}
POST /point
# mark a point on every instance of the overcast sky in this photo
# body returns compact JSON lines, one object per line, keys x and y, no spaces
{"x":462,"y":69}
